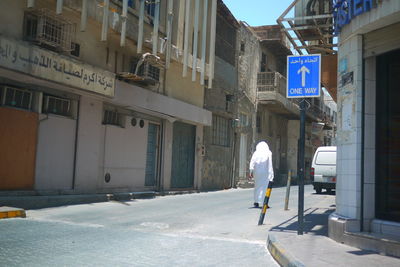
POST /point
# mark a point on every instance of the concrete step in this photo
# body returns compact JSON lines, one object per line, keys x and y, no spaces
{"x":383,"y":244}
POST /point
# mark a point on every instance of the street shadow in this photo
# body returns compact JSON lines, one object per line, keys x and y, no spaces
{"x":362,"y":252}
{"x":331,"y":193}
{"x":315,"y":222}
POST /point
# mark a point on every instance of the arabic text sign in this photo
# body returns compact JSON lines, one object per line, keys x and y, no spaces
{"x":51,"y":66}
{"x":304,"y":76}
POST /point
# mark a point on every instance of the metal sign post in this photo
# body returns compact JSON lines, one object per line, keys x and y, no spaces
{"x":304,"y":81}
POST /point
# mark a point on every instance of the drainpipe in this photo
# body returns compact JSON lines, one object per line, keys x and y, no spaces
{"x":195,"y":39}
{"x":186,"y":38}
{"x":203,"y":42}
{"x":213,"y":22}
{"x":76,"y":143}
{"x":84,"y":15}
{"x":124,"y":19}
{"x":170,"y":16}
{"x":31,"y":3}
{"x":59,"y":7}
{"x":140,"y":30}
{"x":104,"y":28}
{"x":362,"y":133}
{"x":156,"y":25}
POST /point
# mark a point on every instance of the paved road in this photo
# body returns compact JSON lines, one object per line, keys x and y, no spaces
{"x":205,"y":229}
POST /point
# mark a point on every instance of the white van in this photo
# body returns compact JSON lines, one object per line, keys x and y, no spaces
{"x":323,"y":169}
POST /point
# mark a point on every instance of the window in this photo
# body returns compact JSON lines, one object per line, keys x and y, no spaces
{"x":229,"y":103}
{"x":242,"y":47}
{"x":75,"y":49}
{"x":244,"y":120}
{"x":18,"y":98}
{"x":220,"y":131}
{"x":258,"y":124}
{"x":113,"y":117}
{"x":270,"y":126}
{"x":56,"y":105}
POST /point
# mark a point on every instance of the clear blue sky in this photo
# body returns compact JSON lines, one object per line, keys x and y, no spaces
{"x":258,"y":12}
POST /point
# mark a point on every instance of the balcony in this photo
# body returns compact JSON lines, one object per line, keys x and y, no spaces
{"x":271,"y":91}
{"x":274,"y":39}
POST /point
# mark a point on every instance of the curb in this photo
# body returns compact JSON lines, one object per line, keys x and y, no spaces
{"x":280,"y":254}
{"x":9,"y":212}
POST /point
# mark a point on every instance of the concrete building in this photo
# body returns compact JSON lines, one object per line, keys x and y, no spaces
{"x":221,"y":99}
{"x":248,"y":66}
{"x":368,"y":178}
{"x":104,"y":95}
{"x":277,"y":119}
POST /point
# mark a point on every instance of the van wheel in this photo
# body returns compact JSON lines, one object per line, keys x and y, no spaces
{"x":318,"y":190}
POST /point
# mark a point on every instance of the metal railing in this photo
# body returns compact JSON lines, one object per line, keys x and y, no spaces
{"x":271,"y":81}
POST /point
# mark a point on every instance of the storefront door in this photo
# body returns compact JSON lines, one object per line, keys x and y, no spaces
{"x":388,"y":137}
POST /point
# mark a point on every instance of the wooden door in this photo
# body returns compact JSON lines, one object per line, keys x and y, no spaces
{"x":18,"y":137}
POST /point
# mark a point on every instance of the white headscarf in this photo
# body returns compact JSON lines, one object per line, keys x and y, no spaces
{"x":261,"y":162}
{"x":262,"y":153}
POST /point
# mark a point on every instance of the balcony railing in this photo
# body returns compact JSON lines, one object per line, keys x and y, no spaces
{"x":271,"y":81}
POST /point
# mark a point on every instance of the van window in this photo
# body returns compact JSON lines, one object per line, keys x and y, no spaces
{"x":326,"y":158}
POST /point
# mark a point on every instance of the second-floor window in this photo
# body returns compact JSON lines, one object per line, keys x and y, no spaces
{"x":220,"y":131}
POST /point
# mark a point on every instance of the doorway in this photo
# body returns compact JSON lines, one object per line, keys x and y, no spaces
{"x":387,"y":137}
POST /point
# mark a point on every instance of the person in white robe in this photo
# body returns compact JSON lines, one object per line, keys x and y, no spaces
{"x":262,"y":171}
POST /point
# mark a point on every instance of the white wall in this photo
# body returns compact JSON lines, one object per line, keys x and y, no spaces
{"x":55,"y":153}
{"x":349,"y":132}
{"x":125,"y":155}
{"x":89,"y":140}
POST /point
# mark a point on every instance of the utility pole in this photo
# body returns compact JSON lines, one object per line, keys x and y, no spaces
{"x":304,"y":81}
{"x":300,"y":166}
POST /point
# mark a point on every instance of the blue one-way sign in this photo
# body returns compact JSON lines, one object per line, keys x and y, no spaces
{"x":303,"y":76}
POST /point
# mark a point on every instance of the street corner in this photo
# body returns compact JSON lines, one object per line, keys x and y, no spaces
{"x":283,"y":257}
{"x":10,"y":212}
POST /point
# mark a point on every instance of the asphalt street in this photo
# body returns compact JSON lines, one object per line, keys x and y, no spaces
{"x":203,"y":229}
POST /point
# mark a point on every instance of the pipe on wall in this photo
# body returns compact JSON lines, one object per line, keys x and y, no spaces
{"x":156,"y":26}
{"x":59,"y":7}
{"x":104,"y":28}
{"x":186,"y":39}
{"x":84,"y":15}
{"x":195,"y":39}
{"x":212,"y":41}
{"x":124,"y":17}
{"x":140,"y":29}
{"x":31,"y":3}
{"x":170,"y":17}
{"x":204,"y":41}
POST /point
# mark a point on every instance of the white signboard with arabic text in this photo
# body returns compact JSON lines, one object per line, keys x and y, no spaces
{"x":54,"y":67}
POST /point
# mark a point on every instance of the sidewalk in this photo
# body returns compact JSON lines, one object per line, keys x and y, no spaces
{"x":314,"y":247}
{"x":34,"y":200}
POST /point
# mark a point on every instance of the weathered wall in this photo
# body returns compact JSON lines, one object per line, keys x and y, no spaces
{"x":221,"y":99}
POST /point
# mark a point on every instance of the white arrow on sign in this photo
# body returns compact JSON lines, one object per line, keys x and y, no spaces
{"x":303,"y":71}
